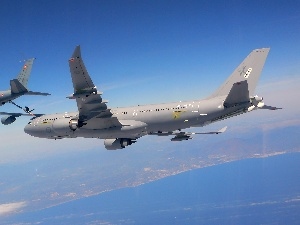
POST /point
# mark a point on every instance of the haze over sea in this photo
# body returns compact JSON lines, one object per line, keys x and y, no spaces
{"x":249,"y":191}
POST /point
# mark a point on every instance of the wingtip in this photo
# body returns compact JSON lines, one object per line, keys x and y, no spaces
{"x":76,"y":52}
{"x":222,"y":130}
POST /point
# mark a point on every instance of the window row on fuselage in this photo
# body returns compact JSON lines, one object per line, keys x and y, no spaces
{"x":176,"y":109}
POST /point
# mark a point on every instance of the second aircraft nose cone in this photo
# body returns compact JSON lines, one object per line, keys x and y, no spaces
{"x":28,"y":129}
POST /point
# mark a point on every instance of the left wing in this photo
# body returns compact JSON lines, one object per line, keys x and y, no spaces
{"x":9,"y":118}
{"x":21,"y":114}
{"x":214,"y":132}
{"x":89,"y":101}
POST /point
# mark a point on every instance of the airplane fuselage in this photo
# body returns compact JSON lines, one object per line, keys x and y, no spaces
{"x":136,"y":121}
{"x":120,"y":127}
{"x":6,"y":96}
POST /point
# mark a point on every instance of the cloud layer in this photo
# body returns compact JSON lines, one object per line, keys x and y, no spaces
{"x":9,"y":208}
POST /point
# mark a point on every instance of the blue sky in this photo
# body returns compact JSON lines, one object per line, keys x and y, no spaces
{"x":141,"y":52}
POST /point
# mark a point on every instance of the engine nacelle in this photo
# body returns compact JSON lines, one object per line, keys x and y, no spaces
{"x":257,"y":102}
{"x":64,"y":126}
{"x":119,"y":143}
{"x":73,"y":124}
{"x":181,"y":138}
{"x":257,"y":99}
{"x":251,"y":108}
{"x":6,"y":120}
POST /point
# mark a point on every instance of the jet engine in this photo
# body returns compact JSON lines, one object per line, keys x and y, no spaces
{"x":73,"y":124}
{"x":64,"y":126}
{"x":8,"y":120}
{"x":119,"y":143}
{"x":181,"y":138}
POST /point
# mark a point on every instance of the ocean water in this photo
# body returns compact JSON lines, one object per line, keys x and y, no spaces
{"x":251,"y":191}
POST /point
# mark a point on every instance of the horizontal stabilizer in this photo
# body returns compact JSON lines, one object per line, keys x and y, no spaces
{"x":16,"y":87}
{"x":238,"y":94}
{"x":36,"y":93}
{"x":270,"y":107}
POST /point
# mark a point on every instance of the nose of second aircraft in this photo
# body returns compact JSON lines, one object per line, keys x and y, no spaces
{"x":36,"y":129}
{"x":31,"y":130}
{"x":27,"y":129}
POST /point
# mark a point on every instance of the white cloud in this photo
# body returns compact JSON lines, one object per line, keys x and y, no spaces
{"x":10,"y":208}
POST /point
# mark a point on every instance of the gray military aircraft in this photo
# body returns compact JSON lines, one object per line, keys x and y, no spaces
{"x":121,"y":127}
{"x":18,"y":87}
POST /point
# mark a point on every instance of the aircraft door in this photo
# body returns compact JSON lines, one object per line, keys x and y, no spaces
{"x":134,"y":114}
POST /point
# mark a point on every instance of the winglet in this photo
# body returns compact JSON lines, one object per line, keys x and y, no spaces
{"x":222,"y":130}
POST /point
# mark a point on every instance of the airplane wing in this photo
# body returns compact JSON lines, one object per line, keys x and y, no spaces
{"x":89,"y":101}
{"x":180,"y":136}
{"x":214,"y":132}
{"x":21,"y":114}
{"x":9,"y":118}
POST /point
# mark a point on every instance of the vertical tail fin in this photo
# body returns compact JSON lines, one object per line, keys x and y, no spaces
{"x":249,"y":70}
{"x":25,"y":72}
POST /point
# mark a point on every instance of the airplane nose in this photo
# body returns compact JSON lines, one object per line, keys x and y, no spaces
{"x":28,"y":129}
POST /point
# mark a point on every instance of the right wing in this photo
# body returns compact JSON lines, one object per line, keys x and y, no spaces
{"x":180,"y":136}
{"x":89,"y":101}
